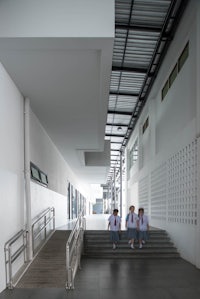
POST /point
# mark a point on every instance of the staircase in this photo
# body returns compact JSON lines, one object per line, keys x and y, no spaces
{"x":97,"y":244}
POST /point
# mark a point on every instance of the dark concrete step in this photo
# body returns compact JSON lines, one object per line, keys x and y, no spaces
{"x":125,"y":245}
{"x":122,"y":237}
{"x":103,"y":232}
{"x":97,"y":244}
{"x":123,"y":234}
{"x":113,"y":255}
{"x":106,"y":239}
{"x":128,"y":249}
{"x":125,"y":241}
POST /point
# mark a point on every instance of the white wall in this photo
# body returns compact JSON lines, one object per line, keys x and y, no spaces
{"x":167,"y":170}
{"x":43,"y":198}
{"x":46,"y":156}
{"x":11,"y":164}
{"x":43,"y":153}
{"x":60,"y":18}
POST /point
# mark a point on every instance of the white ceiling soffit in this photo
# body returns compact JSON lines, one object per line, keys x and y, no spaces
{"x":67,"y":81}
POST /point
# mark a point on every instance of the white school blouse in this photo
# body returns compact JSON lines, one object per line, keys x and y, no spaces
{"x":132,"y":219}
{"x":143,"y":223}
{"x":112,"y":222}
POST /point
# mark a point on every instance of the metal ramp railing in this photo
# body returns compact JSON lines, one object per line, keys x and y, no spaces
{"x":15,"y":257}
{"x":42,"y":228}
{"x":74,"y":248}
{"x":15,"y":249}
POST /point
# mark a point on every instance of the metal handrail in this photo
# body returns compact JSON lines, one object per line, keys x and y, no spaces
{"x":11,"y":257}
{"x":74,"y":248}
{"x":46,"y":216}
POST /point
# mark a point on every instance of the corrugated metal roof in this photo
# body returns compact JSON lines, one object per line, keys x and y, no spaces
{"x":143,"y":32}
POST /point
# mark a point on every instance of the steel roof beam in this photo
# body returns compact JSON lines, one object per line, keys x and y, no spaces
{"x":119,"y":112}
{"x":138,"y":28}
{"x":115,"y":135}
{"x":116,"y":125}
{"x":121,"y":93}
{"x":114,"y":142}
{"x":129,"y":69}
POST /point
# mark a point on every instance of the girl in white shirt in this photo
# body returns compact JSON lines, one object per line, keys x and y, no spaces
{"x":132,"y":226}
{"x":143,"y":227}
{"x":114,"y":223}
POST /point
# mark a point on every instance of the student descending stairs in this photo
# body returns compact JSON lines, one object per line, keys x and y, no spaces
{"x":97,"y":244}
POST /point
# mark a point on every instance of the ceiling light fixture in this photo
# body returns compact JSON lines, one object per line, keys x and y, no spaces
{"x":119,"y":129}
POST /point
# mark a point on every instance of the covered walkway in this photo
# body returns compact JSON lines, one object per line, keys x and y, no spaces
{"x":122,"y":278}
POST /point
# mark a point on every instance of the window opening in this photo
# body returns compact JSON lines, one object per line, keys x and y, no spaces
{"x":38,"y":175}
{"x":145,"y":125}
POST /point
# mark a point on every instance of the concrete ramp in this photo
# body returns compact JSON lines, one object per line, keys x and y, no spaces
{"x":49,"y":267}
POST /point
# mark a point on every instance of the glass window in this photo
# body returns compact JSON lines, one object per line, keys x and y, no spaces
{"x":35,"y":173}
{"x":38,"y":175}
{"x":135,"y":152}
{"x":145,"y":125}
{"x":44,"y":179}
{"x":183,"y":57}
{"x":133,"y":155}
{"x":165,"y":89}
{"x":69,"y":201}
{"x":173,"y":75}
{"x":74,"y":203}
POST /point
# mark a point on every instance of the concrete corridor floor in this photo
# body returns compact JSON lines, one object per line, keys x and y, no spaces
{"x":121,"y":279}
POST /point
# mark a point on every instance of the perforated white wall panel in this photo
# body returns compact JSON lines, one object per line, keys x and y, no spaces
{"x":172,"y":194}
{"x":182,"y":186}
{"x":158,"y":192}
{"x":143,"y":194}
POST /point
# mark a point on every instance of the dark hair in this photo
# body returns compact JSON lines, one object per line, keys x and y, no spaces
{"x":115,"y":211}
{"x":141,"y":209}
{"x":132,"y":207}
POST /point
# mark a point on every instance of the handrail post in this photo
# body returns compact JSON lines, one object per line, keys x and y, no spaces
{"x":33,"y":240}
{"x":72,"y":279}
{"x":45,"y":228}
{"x":6,"y":271}
{"x":24,"y":244}
{"x":79,"y":248}
{"x":54,"y":225}
{"x":68,"y":267}
{"x":10,"y":285}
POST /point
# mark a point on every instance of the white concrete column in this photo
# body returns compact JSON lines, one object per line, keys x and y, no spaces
{"x":152,"y":116}
{"x":27,"y":176}
{"x":126,"y":179}
{"x":121,"y":169}
{"x":197,"y":238}
{"x":198,"y":70}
